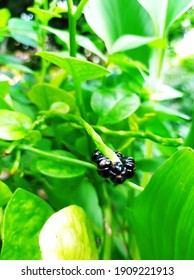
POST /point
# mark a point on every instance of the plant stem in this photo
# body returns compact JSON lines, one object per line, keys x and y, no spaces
{"x":156,"y":64}
{"x":148,"y":154}
{"x":80,"y":8}
{"x":72,"y":29}
{"x":10,"y":148}
{"x":139,"y":134}
{"x":134,"y":186}
{"x":45,"y":4}
{"x":107,"y":214}
{"x":57,"y":157}
{"x":105,"y":205}
{"x":95,"y":137}
{"x":79,"y":98}
{"x":16,"y":164}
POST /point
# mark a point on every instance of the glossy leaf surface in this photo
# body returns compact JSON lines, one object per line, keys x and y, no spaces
{"x":162,"y":216}
{"x":67,"y":236}
{"x":24,"y":217}
{"x":79,"y":69}
{"x":112,"y":19}
{"x":58,"y":169}
{"x":45,"y":95}
{"x":5,"y":194}
{"x":14,"y":125}
{"x":23,"y":31}
{"x":164,"y":12}
{"x":114,"y":105}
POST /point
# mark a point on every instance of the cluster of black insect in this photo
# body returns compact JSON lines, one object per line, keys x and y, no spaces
{"x":118,"y":172}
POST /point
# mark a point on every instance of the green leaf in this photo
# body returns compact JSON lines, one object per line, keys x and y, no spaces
{"x":4,"y":17}
{"x":79,"y":69}
{"x":67,"y":235}
{"x":104,"y":99}
{"x":5,"y":194}
{"x":123,"y":109}
{"x":82,"y":41}
{"x":134,"y":69}
{"x":149,"y":164}
{"x":21,"y":68}
{"x":127,"y":42}
{"x":43,"y":15}
{"x":61,"y":34}
{"x":89,"y":203}
{"x":23,"y":31}
{"x":114,"y":105}
{"x":87,"y":44}
{"x":45,"y":95}
{"x":164,"y":12}
{"x":56,"y":169}
{"x":165,"y":92}
{"x":14,"y":125}
{"x":9,"y":59}
{"x":24,"y":217}
{"x":162,"y":216}
{"x":162,"y":112}
{"x":5,"y":100}
{"x":4,"y":105}
{"x":112,"y":19}
{"x":60,"y":107}
{"x":5,"y":86}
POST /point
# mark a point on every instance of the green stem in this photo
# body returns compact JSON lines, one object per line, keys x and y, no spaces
{"x":148,"y":154}
{"x":10,"y":148}
{"x":157,"y":64}
{"x":134,"y":186}
{"x":42,"y":33}
{"x":45,"y":4}
{"x":53,"y":5}
{"x":57,"y":157}
{"x":79,"y":98}
{"x":80,"y":8}
{"x":105,"y":205}
{"x":16,"y":164}
{"x":95,"y":137}
{"x":107,"y":214}
{"x":139,"y":134}
{"x":72,"y":29}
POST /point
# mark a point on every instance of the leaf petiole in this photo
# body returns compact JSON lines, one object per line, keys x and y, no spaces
{"x":140,"y":134}
{"x":57,"y":157}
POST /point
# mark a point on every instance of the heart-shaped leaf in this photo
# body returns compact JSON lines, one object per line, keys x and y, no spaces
{"x":54,"y":168}
{"x":67,"y":235}
{"x":114,"y":105}
{"x":24,"y":217}
{"x":45,"y":95}
{"x":123,"y":109}
{"x":14,"y":125}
